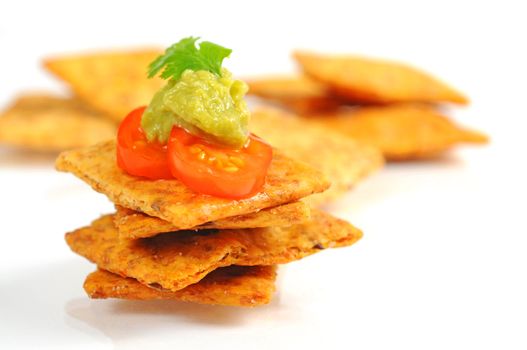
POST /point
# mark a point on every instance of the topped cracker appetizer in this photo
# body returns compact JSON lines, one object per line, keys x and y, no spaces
{"x":205,"y":209}
{"x":195,"y":128}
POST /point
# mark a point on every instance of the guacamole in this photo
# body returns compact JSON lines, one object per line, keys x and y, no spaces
{"x":204,"y":104}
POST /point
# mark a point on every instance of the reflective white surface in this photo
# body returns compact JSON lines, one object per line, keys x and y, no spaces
{"x":441,"y":265}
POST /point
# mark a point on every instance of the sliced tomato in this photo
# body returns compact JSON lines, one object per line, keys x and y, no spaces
{"x":219,"y":171}
{"x":135,"y":154}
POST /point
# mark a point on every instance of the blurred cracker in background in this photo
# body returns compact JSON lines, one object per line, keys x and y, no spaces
{"x":114,"y":83}
{"x":384,"y":104}
{"x":49,"y":123}
{"x":370,"y":80}
{"x":401,"y":132}
{"x":298,"y":93}
{"x":343,"y":160}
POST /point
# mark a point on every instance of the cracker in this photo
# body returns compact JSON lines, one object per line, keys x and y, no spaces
{"x":233,"y":286}
{"x":45,"y":122}
{"x":132,"y":224}
{"x":364,"y":79}
{"x":176,"y":260}
{"x":112,"y":82}
{"x":401,"y":132}
{"x":170,"y":200}
{"x":299,"y":93}
{"x":344,"y":161}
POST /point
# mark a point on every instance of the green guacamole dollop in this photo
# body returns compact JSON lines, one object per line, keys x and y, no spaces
{"x":204,"y":104}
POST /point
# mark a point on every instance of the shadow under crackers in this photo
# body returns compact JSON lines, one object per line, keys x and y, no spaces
{"x":32,"y":301}
{"x":47,"y":302}
{"x":132,"y":324}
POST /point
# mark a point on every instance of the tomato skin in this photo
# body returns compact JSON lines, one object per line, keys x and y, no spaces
{"x":205,"y":168}
{"x":135,"y":154}
{"x":216,"y":170}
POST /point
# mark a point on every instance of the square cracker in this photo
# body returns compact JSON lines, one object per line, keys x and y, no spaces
{"x":401,"y":132}
{"x":299,"y":93}
{"x":46,"y":122}
{"x":232,"y":286}
{"x":176,"y":260}
{"x":170,"y":200}
{"x":113,"y":82}
{"x":362,"y":79}
{"x":344,"y":161}
{"x":132,"y":224}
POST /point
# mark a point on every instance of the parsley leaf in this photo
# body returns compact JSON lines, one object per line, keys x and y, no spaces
{"x":185,"y":55}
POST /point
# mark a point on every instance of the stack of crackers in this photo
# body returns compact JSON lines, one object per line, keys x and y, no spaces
{"x":167,"y":242}
{"x":391,"y":106}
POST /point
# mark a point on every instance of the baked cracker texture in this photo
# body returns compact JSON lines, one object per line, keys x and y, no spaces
{"x":232,"y":286}
{"x":132,"y":224}
{"x":172,"y":201}
{"x":175,"y":260}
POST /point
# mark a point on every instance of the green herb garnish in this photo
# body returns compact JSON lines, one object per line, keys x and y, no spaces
{"x":185,"y":55}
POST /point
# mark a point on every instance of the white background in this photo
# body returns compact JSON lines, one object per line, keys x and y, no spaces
{"x":443,"y":261}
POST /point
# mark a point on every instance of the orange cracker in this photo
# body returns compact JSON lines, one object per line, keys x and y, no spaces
{"x":172,"y":201}
{"x":112,"y":82}
{"x":132,"y":224}
{"x":364,"y":79}
{"x":299,"y":93}
{"x":344,"y":161}
{"x":401,"y":132}
{"x":45,"y":122}
{"x":233,"y":286}
{"x":176,"y":260}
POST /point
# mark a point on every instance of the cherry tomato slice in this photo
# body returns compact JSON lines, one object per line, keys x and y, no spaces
{"x":219,"y":171}
{"x":135,"y":154}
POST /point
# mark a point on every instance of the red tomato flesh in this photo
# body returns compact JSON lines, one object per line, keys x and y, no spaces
{"x":135,"y":154}
{"x":204,"y":167}
{"x":216,"y":170}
